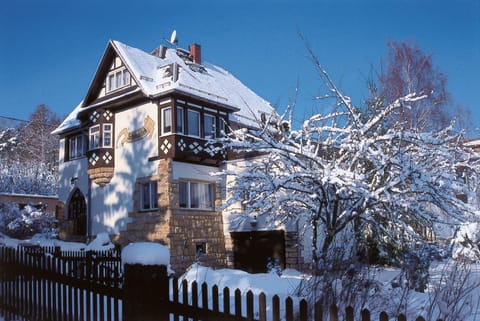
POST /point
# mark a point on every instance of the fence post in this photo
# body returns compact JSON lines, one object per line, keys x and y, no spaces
{"x":145,"y":293}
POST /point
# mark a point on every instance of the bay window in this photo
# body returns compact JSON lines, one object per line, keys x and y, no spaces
{"x":100,"y":136}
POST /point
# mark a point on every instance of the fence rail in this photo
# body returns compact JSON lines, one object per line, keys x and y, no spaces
{"x":47,"y":284}
{"x":38,"y":285}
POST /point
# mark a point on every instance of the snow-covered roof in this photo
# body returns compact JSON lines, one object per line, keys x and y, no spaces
{"x":206,"y":81}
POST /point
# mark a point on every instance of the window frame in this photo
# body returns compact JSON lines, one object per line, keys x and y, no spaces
{"x":73,"y":150}
{"x":213,"y":130}
{"x":104,"y":136}
{"x":189,"y":111}
{"x":94,"y":137}
{"x":180,"y":120}
{"x":117,"y":79}
{"x":164,"y":125}
{"x":187,"y":201}
{"x":152,"y":196}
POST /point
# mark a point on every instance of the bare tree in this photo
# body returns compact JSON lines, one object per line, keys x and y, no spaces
{"x":408,"y":70}
{"x":35,"y":141}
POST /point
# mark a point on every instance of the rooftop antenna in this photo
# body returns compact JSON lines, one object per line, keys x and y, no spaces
{"x":173,"y":38}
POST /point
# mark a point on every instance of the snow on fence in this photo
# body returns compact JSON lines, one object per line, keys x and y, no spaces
{"x":44,"y":284}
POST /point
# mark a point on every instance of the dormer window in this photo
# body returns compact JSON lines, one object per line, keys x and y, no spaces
{"x":118,"y":79}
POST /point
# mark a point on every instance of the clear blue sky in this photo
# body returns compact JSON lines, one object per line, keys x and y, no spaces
{"x":49,"y":50}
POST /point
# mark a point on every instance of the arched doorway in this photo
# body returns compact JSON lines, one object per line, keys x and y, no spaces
{"x":77,"y":213}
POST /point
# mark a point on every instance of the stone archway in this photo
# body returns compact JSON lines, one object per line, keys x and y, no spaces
{"x":77,"y":213}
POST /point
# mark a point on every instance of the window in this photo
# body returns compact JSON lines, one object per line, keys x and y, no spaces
{"x":179,"y":121}
{"x":223,"y":127}
{"x":107,"y":135}
{"x":196,"y":195}
{"x":94,"y":134}
{"x":209,"y":126}
{"x":193,"y":123}
{"x":149,"y":196}
{"x":118,"y":79}
{"x":76,"y":147}
{"x":167,"y":120}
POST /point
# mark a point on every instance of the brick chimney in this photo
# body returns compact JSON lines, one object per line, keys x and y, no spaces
{"x":196,"y":52}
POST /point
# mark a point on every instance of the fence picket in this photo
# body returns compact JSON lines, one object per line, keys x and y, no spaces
{"x":365,"y":315}
{"x":275,"y":308}
{"x":249,"y":305}
{"x":226,"y":300}
{"x":289,"y":309}
{"x":50,"y":284}
{"x":262,"y":307}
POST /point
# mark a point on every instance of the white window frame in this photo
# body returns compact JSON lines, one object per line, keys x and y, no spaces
{"x":107,"y":133}
{"x":192,"y":188}
{"x":94,"y":137}
{"x":213,"y":133}
{"x":76,"y":147}
{"x":117,"y":79}
{"x":188,"y":123}
{"x":164,"y":119}
{"x":223,"y":127}
{"x":150,"y":187}
{"x":180,"y":120}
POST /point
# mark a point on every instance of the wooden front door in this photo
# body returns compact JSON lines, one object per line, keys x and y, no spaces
{"x":77,"y":212}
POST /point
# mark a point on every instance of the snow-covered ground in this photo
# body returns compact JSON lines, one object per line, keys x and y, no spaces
{"x":453,"y":290}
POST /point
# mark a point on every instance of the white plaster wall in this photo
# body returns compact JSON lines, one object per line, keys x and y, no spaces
{"x":112,"y":203}
{"x":194,"y":171}
{"x":72,"y":169}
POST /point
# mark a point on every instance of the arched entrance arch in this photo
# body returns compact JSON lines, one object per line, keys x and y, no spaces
{"x":77,"y":213}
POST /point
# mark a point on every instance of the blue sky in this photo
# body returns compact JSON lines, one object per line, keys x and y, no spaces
{"x":49,"y":50}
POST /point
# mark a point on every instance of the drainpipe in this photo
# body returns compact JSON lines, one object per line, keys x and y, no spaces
{"x":89,"y":210}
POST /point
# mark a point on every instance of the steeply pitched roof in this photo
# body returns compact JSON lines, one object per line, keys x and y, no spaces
{"x":207,"y":82}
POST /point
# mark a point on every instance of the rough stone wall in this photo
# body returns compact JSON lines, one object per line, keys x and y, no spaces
{"x":293,"y":250}
{"x":182,"y":230}
{"x":151,"y":226}
{"x":191,"y":228}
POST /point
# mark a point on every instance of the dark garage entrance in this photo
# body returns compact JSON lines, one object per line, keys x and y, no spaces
{"x":253,"y":250}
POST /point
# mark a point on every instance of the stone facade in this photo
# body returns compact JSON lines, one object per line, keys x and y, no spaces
{"x":191,"y":235}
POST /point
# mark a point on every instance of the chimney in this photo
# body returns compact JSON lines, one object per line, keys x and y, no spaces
{"x":196,"y":53}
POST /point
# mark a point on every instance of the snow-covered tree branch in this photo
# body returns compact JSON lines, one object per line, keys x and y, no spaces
{"x":353,"y":171}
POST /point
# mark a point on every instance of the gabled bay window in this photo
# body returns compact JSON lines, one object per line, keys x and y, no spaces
{"x":196,"y":195}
